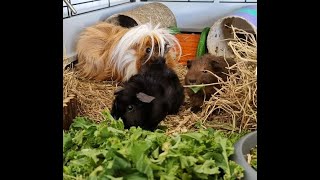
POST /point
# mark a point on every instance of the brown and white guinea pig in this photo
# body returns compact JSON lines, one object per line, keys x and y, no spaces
{"x":111,"y":52}
{"x":148,"y":97}
{"x":197,"y":75}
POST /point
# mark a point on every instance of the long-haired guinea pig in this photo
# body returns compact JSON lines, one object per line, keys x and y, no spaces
{"x":148,"y":97}
{"x":111,"y":52}
{"x":197,"y":75}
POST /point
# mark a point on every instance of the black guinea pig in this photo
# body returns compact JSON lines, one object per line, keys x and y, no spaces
{"x":148,"y":97}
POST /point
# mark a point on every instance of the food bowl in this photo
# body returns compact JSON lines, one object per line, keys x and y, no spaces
{"x":242,"y":148}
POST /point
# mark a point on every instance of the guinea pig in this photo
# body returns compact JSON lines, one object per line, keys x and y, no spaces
{"x":149,"y":96}
{"x":197,"y":75}
{"x":111,"y":52}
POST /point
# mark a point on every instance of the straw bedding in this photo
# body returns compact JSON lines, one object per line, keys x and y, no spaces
{"x":232,"y":108}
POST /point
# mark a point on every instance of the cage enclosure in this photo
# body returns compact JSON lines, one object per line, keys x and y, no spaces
{"x":88,"y":98}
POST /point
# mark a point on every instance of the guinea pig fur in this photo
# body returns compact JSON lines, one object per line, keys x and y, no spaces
{"x":148,"y":97}
{"x":111,"y":52}
{"x":197,"y":75}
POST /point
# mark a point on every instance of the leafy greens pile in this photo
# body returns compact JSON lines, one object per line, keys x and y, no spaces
{"x":108,"y":151}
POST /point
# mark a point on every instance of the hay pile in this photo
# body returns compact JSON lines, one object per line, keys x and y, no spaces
{"x":237,"y":99}
{"x":92,"y":97}
{"x":232,"y":108}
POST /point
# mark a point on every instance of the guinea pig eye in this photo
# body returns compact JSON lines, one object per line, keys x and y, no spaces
{"x":166,"y":46}
{"x":148,"y":50}
{"x":130,"y":107}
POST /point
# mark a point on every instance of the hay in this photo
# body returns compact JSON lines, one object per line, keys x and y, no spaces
{"x":232,"y":108}
{"x":237,"y":99}
{"x":92,"y":97}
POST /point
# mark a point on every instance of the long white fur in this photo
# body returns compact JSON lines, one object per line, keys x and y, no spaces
{"x":124,"y":54}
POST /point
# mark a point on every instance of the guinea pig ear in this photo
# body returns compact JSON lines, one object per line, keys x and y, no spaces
{"x":144,"y":97}
{"x":119,"y":89}
{"x":216,"y":66}
{"x":189,"y":62}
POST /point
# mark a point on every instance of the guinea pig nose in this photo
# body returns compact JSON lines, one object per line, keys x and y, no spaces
{"x":191,"y":81}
